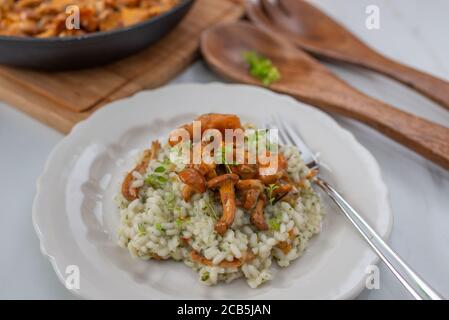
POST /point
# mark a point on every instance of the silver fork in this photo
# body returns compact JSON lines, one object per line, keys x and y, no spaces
{"x":408,"y":278}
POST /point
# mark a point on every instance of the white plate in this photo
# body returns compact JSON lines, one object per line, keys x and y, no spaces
{"x":76,"y":220}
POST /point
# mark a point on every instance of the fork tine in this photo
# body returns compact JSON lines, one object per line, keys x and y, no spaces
{"x":286,"y":137}
{"x":293,"y":135}
{"x":289,"y":6}
{"x":294,"y":138}
{"x":287,"y":131}
{"x":273,"y":11}
{"x":255,"y":12}
{"x":281,"y":136}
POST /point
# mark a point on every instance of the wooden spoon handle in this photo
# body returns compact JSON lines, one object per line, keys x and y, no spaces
{"x":432,"y":87}
{"x":425,"y":137}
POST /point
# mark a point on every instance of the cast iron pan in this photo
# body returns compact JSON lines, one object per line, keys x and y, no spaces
{"x":88,"y":50}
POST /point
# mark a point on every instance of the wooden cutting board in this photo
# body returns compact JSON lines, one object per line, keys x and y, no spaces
{"x":61,"y":99}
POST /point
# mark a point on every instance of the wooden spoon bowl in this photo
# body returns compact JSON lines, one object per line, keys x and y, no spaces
{"x":306,"y":79}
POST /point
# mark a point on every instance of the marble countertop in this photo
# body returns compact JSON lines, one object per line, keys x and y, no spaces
{"x":411,"y":31}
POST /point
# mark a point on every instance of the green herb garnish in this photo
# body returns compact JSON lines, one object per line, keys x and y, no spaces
{"x":211,"y":209}
{"x":179,"y":223}
{"x":228,"y":168}
{"x":170,"y":201}
{"x":155,"y":181}
{"x":158,"y":226}
{"x":160,"y":169}
{"x":274,"y":223}
{"x":270,"y":190}
{"x":142,"y":230}
{"x":221,"y":157}
{"x":177,"y":209}
{"x":261,"y":68}
{"x":256,"y":137}
{"x":166,"y":163}
{"x":205,"y":276}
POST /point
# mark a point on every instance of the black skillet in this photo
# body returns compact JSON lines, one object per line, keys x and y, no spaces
{"x":88,"y":50}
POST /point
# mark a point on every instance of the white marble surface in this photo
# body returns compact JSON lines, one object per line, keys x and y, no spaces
{"x":412,"y":31}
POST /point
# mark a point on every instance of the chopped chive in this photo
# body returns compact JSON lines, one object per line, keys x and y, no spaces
{"x":141,"y":228}
{"x":211,"y":210}
{"x":158,"y":226}
{"x":205,"y":276}
{"x":274,"y":223}
{"x":270,"y":190}
{"x":159,"y":169}
{"x":261,"y":68}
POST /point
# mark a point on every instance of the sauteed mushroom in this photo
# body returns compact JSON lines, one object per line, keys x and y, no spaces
{"x":280,"y":192}
{"x":207,"y":170}
{"x":128,"y":191}
{"x":257,"y":216}
{"x":193,"y":179}
{"x":187,"y":193}
{"x":217,"y":121}
{"x":245,"y":171}
{"x":226,"y":177}
{"x":47,"y":18}
{"x":270,"y":179}
{"x":246,"y":257}
{"x":251,"y":190}
{"x":226,"y":184}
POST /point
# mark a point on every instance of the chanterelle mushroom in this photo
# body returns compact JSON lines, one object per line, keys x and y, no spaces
{"x":280,"y":192}
{"x":187,"y":193}
{"x":226,"y":184}
{"x":128,"y":191}
{"x":273,"y":178}
{"x":193,"y":179}
{"x":245,"y":171}
{"x":217,"y":121}
{"x":207,"y":170}
{"x":250,"y":184}
{"x":250,"y":190}
{"x":257,"y":218}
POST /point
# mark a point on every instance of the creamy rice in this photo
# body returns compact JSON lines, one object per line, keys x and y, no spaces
{"x":160,"y":224}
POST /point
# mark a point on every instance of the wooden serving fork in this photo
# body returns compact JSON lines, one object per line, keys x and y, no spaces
{"x":307,"y":80}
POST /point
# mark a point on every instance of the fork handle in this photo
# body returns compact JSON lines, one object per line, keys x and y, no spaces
{"x":408,"y":278}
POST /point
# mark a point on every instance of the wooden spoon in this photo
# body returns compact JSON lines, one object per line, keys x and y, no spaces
{"x":306,"y":79}
{"x":314,"y":31}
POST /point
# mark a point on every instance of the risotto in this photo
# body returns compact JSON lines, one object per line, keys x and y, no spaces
{"x":166,"y":216}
